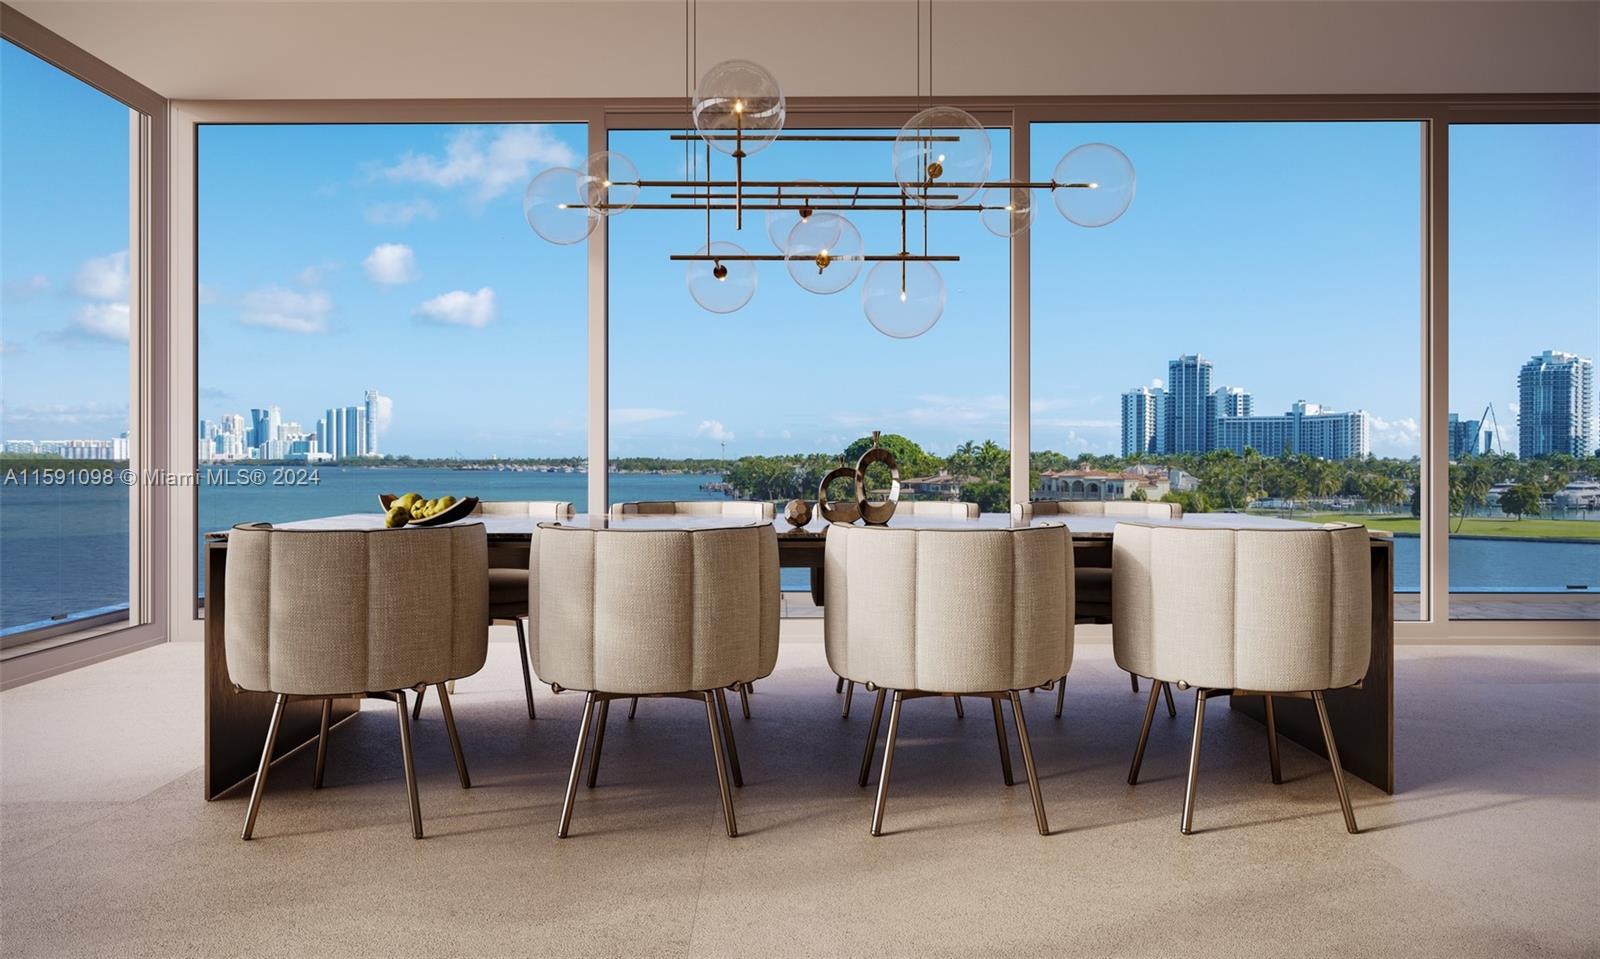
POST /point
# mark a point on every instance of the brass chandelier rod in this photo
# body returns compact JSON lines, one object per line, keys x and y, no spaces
{"x":779,"y":257}
{"x":856,"y":184}
{"x":707,"y":206}
{"x":825,"y":137}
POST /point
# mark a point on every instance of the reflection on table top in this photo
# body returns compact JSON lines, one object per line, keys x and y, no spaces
{"x":1081,"y":527}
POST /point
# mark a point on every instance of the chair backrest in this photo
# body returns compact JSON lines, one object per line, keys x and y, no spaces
{"x":936,"y":508}
{"x":318,"y":612}
{"x":538,"y":508}
{"x":1270,"y":609}
{"x":975,"y":610}
{"x":653,"y":611}
{"x":1133,"y":508}
{"x":737,"y":508}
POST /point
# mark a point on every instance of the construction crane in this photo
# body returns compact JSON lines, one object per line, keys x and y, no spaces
{"x":1494,"y":434}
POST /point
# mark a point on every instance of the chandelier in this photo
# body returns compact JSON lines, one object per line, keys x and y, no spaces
{"x":940,"y":161}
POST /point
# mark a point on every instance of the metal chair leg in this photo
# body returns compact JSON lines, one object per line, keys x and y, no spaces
{"x":1005,"y":747}
{"x":1172,"y":709}
{"x":1027,"y":764}
{"x":838,"y":687}
{"x":455,"y":738}
{"x":1061,"y":695}
{"x":260,"y":787}
{"x":633,"y":706}
{"x":416,"y":710}
{"x":1134,"y":679}
{"x":322,"y":744}
{"x":872,"y":738}
{"x":744,"y":699}
{"x":1272,"y":742}
{"x":849,"y":690}
{"x":727,"y":739}
{"x":599,"y":741}
{"x":961,"y":712}
{"x":527,"y":674}
{"x":888,"y":764}
{"x":1194,"y":762}
{"x":1144,"y":733}
{"x":1333,"y":760}
{"x":577,"y":767}
{"x":722,"y":769}
{"x":410,"y":764}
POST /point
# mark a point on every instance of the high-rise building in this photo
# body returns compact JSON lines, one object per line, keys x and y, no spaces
{"x":1466,"y":437}
{"x":1555,"y":391}
{"x":372,"y":423}
{"x":354,"y":433}
{"x":1231,"y":401}
{"x":1141,"y":419}
{"x":1188,"y":405}
{"x":1307,"y":428}
{"x":334,"y":419}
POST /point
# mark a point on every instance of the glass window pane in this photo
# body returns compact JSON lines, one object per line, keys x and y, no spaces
{"x":65,"y":512}
{"x":1246,"y":336}
{"x":1524,"y":335}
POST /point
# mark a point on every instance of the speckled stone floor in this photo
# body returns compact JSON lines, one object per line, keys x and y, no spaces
{"x":1491,"y":847}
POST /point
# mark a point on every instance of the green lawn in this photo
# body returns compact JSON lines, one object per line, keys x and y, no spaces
{"x":1529,"y":528}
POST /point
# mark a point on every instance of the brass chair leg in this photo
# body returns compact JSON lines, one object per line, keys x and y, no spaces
{"x":410,"y":764}
{"x":1172,"y":709}
{"x":1144,"y":732}
{"x":838,"y":687}
{"x":1194,"y":762}
{"x":260,"y":787}
{"x":322,"y":744}
{"x":1000,"y":735}
{"x":599,"y":741}
{"x":961,"y":712}
{"x":577,"y":767}
{"x":633,"y":706}
{"x":1333,"y":760}
{"x":722,"y":770}
{"x":527,"y":674}
{"x":727,"y":739}
{"x":744,"y":699}
{"x":455,"y":738}
{"x":1134,"y":679}
{"x":1027,"y":764}
{"x":888,"y":763}
{"x":1061,"y":695}
{"x":416,"y":710}
{"x":872,"y":738}
{"x":849,"y":689}
{"x":1272,"y":742}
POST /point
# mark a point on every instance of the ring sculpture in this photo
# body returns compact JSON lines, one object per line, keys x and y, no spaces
{"x":873,"y":513}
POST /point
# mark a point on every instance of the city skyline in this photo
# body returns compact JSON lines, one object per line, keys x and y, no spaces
{"x":343,"y":432}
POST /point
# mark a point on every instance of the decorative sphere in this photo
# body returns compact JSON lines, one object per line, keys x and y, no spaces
{"x":941,"y":145}
{"x":554,"y":205}
{"x":1095,"y":184}
{"x":721,"y":286}
{"x":610,"y":183}
{"x":797,"y":512}
{"x":1007,"y":211}
{"x":738,"y":96}
{"x":780,"y":223}
{"x":824,"y":253}
{"x":903,"y":298}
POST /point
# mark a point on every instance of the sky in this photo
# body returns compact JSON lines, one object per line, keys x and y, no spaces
{"x":336,"y":259}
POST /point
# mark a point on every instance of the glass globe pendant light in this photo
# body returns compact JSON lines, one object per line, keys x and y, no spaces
{"x":1007,"y":211}
{"x":824,"y":253}
{"x":903,"y":298}
{"x":610,"y":183}
{"x":942,"y":145}
{"x":781,"y":223}
{"x":738,"y":105}
{"x":1094,"y":184}
{"x":721,"y":286}
{"x":555,"y":206}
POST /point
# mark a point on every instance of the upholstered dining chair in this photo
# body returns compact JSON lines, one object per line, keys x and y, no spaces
{"x":1248,"y":612}
{"x":1094,"y":582}
{"x":508,"y":582}
{"x":331,"y":614}
{"x":620,"y":612}
{"x":920,"y":612}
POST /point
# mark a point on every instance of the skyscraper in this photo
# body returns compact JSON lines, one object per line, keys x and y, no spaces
{"x":1188,"y":405}
{"x":1231,"y":401}
{"x":1307,"y":428}
{"x":1555,"y":392}
{"x":334,"y":419}
{"x":372,"y":423}
{"x":1141,"y":421}
{"x":1464,"y":437}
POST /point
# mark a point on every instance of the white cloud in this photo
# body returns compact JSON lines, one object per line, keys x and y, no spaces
{"x":27,"y":288}
{"x":208,"y":294}
{"x":460,"y":308}
{"x":402,"y":213}
{"x":103,"y":277}
{"x":66,"y":414}
{"x":391,"y":264}
{"x":489,"y":168}
{"x":105,"y":321}
{"x":1402,"y":437}
{"x":1157,"y":383}
{"x":384,"y":413}
{"x":276,"y":308}
{"x":626,"y":415}
{"x":715,"y":430}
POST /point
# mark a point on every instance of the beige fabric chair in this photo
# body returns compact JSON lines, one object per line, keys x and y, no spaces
{"x":680,"y":613}
{"x":1131,"y":508}
{"x":508,"y":581}
{"x":982,"y":612}
{"x":330,"y":614}
{"x":735,"y":508}
{"x":1265,"y":612}
{"x":937,"y":509}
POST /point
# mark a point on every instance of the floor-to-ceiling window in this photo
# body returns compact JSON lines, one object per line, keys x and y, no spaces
{"x":1524,"y":338}
{"x":1247,"y":335}
{"x":67,"y":509}
{"x":759,"y":402}
{"x":376,"y":316}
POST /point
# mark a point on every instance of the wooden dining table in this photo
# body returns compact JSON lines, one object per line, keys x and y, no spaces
{"x":1362,"y":716}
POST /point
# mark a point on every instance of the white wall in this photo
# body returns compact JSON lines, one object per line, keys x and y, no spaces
{"x":631,"y":48}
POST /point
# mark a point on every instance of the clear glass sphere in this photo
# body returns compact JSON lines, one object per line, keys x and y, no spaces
{"x":737,"y":95}
{"x":1007,"y":211}
{"x":610,"y":183}
{"x":721,"y":286}
{"x":553,"y":204}
{"x":780,"y":223}
{"x":824,"y":253}
{"x":1095,"y":184}
{"x":938,"y":146}
{"x":903,"y":298}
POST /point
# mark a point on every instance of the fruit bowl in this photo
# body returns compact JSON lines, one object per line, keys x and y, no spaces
{"x":460,"y":508}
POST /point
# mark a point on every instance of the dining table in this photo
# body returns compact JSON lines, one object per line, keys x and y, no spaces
{"x":1363,"y":715}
